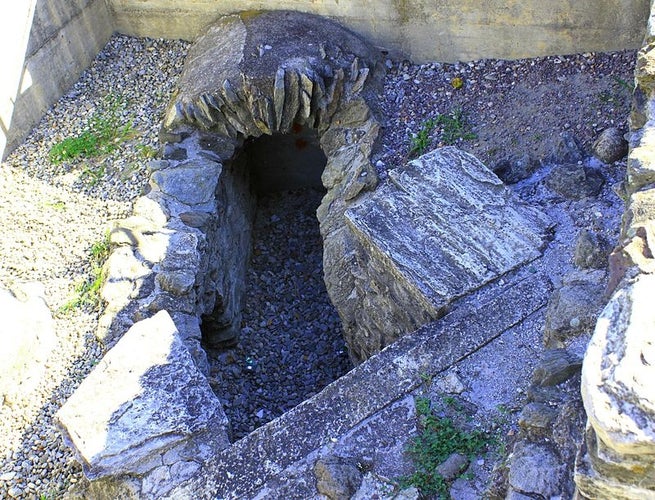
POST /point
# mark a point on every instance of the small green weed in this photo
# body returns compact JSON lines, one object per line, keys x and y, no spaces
{"x":630,"y":87}
{"x":606,"y":97}
{"x":453,"y":403}
{"x":56,"y":205}
{"x":439,"y":438}
{"x":93,"y":174}
{"x":87,"y":292}
{"x":454,"y":127}
{"x":617,"y":93}
{"x":426,"y":378}
{"x":103,"y":134}
{"x":420,"y":141}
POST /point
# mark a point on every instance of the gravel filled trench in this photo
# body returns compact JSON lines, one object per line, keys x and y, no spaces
{"x":291,"y":345}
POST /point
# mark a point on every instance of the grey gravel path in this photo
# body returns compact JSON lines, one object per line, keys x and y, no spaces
{"x":291,"y":345}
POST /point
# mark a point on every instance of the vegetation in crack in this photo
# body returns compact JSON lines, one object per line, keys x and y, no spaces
{"x":438,"y":439}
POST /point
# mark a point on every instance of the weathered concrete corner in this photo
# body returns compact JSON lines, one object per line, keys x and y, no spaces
{"x":142,"y":406}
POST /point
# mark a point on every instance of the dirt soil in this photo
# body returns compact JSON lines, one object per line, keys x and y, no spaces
{"x":513,"y":108}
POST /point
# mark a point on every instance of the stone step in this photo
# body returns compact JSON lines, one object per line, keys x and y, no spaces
{"x":263,"y":461}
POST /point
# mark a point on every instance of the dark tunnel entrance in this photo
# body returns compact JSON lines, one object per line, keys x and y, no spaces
{"x":291,"y":343}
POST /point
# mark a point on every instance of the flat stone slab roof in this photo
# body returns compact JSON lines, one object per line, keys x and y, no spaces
{"x":446,"y":225}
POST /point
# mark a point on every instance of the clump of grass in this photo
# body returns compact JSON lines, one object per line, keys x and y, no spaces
{"x":87,"y":292}
{"x":452,"y":128}
{"x":438,"y":439}
{"x":103,"y":134}
{"x":146,"y":151}
{"x":420,"y":141}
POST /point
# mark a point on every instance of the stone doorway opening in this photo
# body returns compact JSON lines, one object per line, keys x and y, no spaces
{"x":290,"y":343}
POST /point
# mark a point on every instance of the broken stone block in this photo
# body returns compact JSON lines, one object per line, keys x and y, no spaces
{"x":610,"y":146}
{"x":555,"y":367}
{"x":337,"y":478}
{"x":535,"y":470}
{"x":575,"y":182}
{"x":572,"y":310}
{"x":153,"y":398}
{"x":619,"y":369}
{"x":448,"y":225}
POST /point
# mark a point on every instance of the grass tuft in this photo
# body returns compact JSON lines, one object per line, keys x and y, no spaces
{"x":439,"y":438}
{"x":452,"y":127}
{"x":103,"y":134}
{"x":87,"y":292}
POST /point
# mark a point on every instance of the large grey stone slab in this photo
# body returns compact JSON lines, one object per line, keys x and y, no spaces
{"x":443,"y":226}
{"x":145,"y":397}
{"x":245,"y":468}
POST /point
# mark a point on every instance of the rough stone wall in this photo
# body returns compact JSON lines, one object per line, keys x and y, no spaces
{"x":617,"y":459}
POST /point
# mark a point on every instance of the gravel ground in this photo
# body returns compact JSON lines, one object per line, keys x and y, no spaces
{"x":292,"y":344}
{"x":54,"y":214}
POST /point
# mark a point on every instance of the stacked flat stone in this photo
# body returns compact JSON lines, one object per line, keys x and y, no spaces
{"x":246,"y":77}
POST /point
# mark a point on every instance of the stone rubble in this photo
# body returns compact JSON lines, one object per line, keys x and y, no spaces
{"x":157,"y":416}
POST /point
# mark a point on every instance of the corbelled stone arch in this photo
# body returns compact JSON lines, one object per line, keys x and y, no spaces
{"x":266,"y":73}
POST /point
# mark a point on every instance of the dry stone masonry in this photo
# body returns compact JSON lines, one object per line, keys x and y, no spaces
{"x":181,"y":259}
{"x":395,"y":257}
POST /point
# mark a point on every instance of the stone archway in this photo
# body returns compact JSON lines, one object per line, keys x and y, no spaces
{"x":270,"y":73}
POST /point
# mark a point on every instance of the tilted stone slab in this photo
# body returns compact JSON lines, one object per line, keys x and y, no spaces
{"x":145,"y":397}
{"x":446,"y":225}
{"x":242,"y":469}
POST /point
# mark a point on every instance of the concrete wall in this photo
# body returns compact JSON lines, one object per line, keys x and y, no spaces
{"x":447,"y":30}
{"x":46,"y":44}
